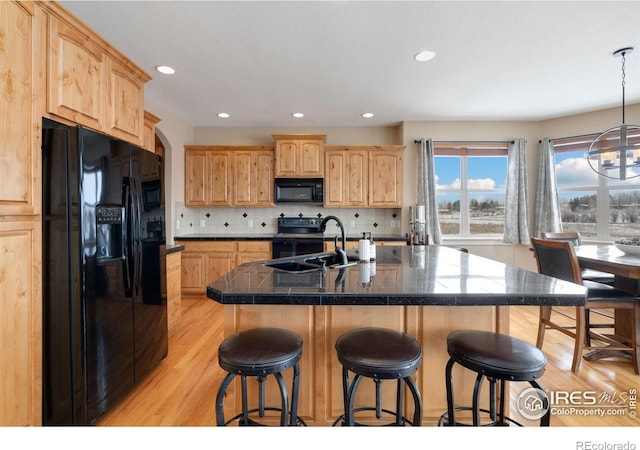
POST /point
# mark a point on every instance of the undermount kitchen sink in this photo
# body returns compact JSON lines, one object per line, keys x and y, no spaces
{"x":293,"y":266}
{"x":309,"y":263}
{"x":331,"y":260}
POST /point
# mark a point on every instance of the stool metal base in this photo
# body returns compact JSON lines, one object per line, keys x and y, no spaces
{"x":497,"y":418}
{"x":287,"y":417}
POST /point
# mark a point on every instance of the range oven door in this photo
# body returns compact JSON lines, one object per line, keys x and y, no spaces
{"x":286,"y":247}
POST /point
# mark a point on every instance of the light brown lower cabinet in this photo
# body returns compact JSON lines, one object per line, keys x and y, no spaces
{"x":206,"y":261}
{"x":21,"y":331}
{"x":320,"y":395}
{"x":174,"y":294}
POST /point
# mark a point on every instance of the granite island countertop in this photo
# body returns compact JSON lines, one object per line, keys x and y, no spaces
{"x":271,"y":236}
{"x":403,"y":275}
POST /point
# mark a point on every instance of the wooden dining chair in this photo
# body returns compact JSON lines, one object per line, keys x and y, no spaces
{"x":558,"y":259}
{"x":576,"y":239}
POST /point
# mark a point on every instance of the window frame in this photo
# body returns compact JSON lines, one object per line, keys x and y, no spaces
{"x":464,"y":150}
{"x":604,"y":188}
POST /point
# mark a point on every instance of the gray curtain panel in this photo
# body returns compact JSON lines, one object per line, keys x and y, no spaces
{"x":516,"y":230}
{"x":547,"y":208}
{"x":427,"y":190}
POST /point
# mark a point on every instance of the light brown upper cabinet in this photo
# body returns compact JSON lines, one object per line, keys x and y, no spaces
{"x":20,"y":121}
{"x":299,"y":155}
{"x":207,"y":177}
{"x":91,"y":84}
{"x":347,"y":177}
{"x":363,"y":175}
{"x":228,"y":175}
{"x":149,"y":132}
{"x":253,"y":177}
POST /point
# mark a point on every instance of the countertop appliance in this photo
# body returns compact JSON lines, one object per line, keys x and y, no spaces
{"x":104,"y":317}
{"x":297,"y":236}
{"x":299,"y":190}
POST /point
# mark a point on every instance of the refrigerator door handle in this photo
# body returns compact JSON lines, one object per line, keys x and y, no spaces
{"x":137,"y":232}
{"x":126,"y":231}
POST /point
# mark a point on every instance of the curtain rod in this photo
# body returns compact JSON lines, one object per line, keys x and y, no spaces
{"x":417,"y":141}
{"x":570,"y":137}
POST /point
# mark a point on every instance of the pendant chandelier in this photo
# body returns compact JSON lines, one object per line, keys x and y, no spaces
{"x":611,"y":149}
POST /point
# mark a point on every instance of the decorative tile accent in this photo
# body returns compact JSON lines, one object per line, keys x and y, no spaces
{"x":208,"y":215}
{"x":263,"y":224}
{"x":356,"y":215}
{"x":244,"y":215}
{"x":319,"y":215}
{"x":281,"y":214}
{"x":226,"y":224}
{"x":300,"y":215}
{"x":394,"y":215}
{"x":181,"y":215}
{"x":375,"y":224}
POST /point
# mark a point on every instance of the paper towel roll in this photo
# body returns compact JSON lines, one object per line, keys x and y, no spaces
{"x":363,"y":249}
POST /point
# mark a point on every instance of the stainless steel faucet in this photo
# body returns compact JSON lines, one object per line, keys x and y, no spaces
{"x":341,"y":252}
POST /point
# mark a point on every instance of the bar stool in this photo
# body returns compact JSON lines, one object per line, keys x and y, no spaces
{"x":380,"y":354}
{"x":499,"y":358}
{"x":260,"y":352}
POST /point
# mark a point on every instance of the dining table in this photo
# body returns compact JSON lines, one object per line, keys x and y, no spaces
{"x":626,"y":270}
{"x":608,"y":258}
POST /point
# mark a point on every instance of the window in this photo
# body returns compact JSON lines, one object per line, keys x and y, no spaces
{"x":595,"y":206}
{"x":473,"y":175}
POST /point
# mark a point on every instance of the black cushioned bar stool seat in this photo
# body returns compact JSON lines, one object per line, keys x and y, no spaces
{"x":257,"y":353}
{"x":380,"y":354}
{"x":497,"y":357}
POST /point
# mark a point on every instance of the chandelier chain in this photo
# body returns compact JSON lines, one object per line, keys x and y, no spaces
{"x":623,"y":83}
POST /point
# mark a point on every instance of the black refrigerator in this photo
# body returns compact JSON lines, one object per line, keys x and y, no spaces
{"x":104,"y":305}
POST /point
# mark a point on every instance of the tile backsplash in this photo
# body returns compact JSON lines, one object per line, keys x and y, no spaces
{"x":254,"y":221}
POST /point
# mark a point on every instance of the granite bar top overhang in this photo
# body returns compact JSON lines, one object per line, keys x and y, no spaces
{"x":421,"y":276}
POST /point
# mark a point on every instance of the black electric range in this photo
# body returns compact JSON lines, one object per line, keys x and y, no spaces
{"x":297,"y":236}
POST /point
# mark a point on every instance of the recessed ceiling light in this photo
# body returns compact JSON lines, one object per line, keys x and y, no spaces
{"x":298,"y":115}
{"x":424,"y":55}
{"x":367,"y":115}
{"x":166,"y":70}
{"x":223,"y":115}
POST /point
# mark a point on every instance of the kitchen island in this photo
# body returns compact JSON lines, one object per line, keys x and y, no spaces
{"x":425,"y":291}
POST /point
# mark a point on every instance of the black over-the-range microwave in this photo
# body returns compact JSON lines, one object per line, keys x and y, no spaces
{"x":299,"y":190}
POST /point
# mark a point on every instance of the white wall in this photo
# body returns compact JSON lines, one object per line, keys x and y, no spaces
{"x":177,"y":133}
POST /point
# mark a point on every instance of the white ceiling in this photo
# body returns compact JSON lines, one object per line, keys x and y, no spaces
{"x":260,"y":61}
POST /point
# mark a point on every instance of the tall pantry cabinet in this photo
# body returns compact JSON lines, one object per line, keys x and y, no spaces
{"x":40,"y":44}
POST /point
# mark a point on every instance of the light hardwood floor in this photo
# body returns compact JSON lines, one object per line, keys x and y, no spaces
{"x":181,"y":391}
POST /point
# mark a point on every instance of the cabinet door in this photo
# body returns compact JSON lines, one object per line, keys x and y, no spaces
{"x":287,"y":158}
{"x":253,"y":178}
{"x":346,"y":178}
{"x":77,"y":77}
{"x":126,"y":103}
{"x":218,"y":180}
{"x":218,"y":264}
{"x":335,"y":188}
{"x":311,"y":159}
{"x":19,"y":126}
{"x":195,"y":167}
{"x":174,"y":304}
{"x":149,"y":132}
{"x":21,"y":315}
{"x":385,"y":179}
{"x":193,"y":266}
{"x":244,"y":178}
{"x":263,"y":169}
